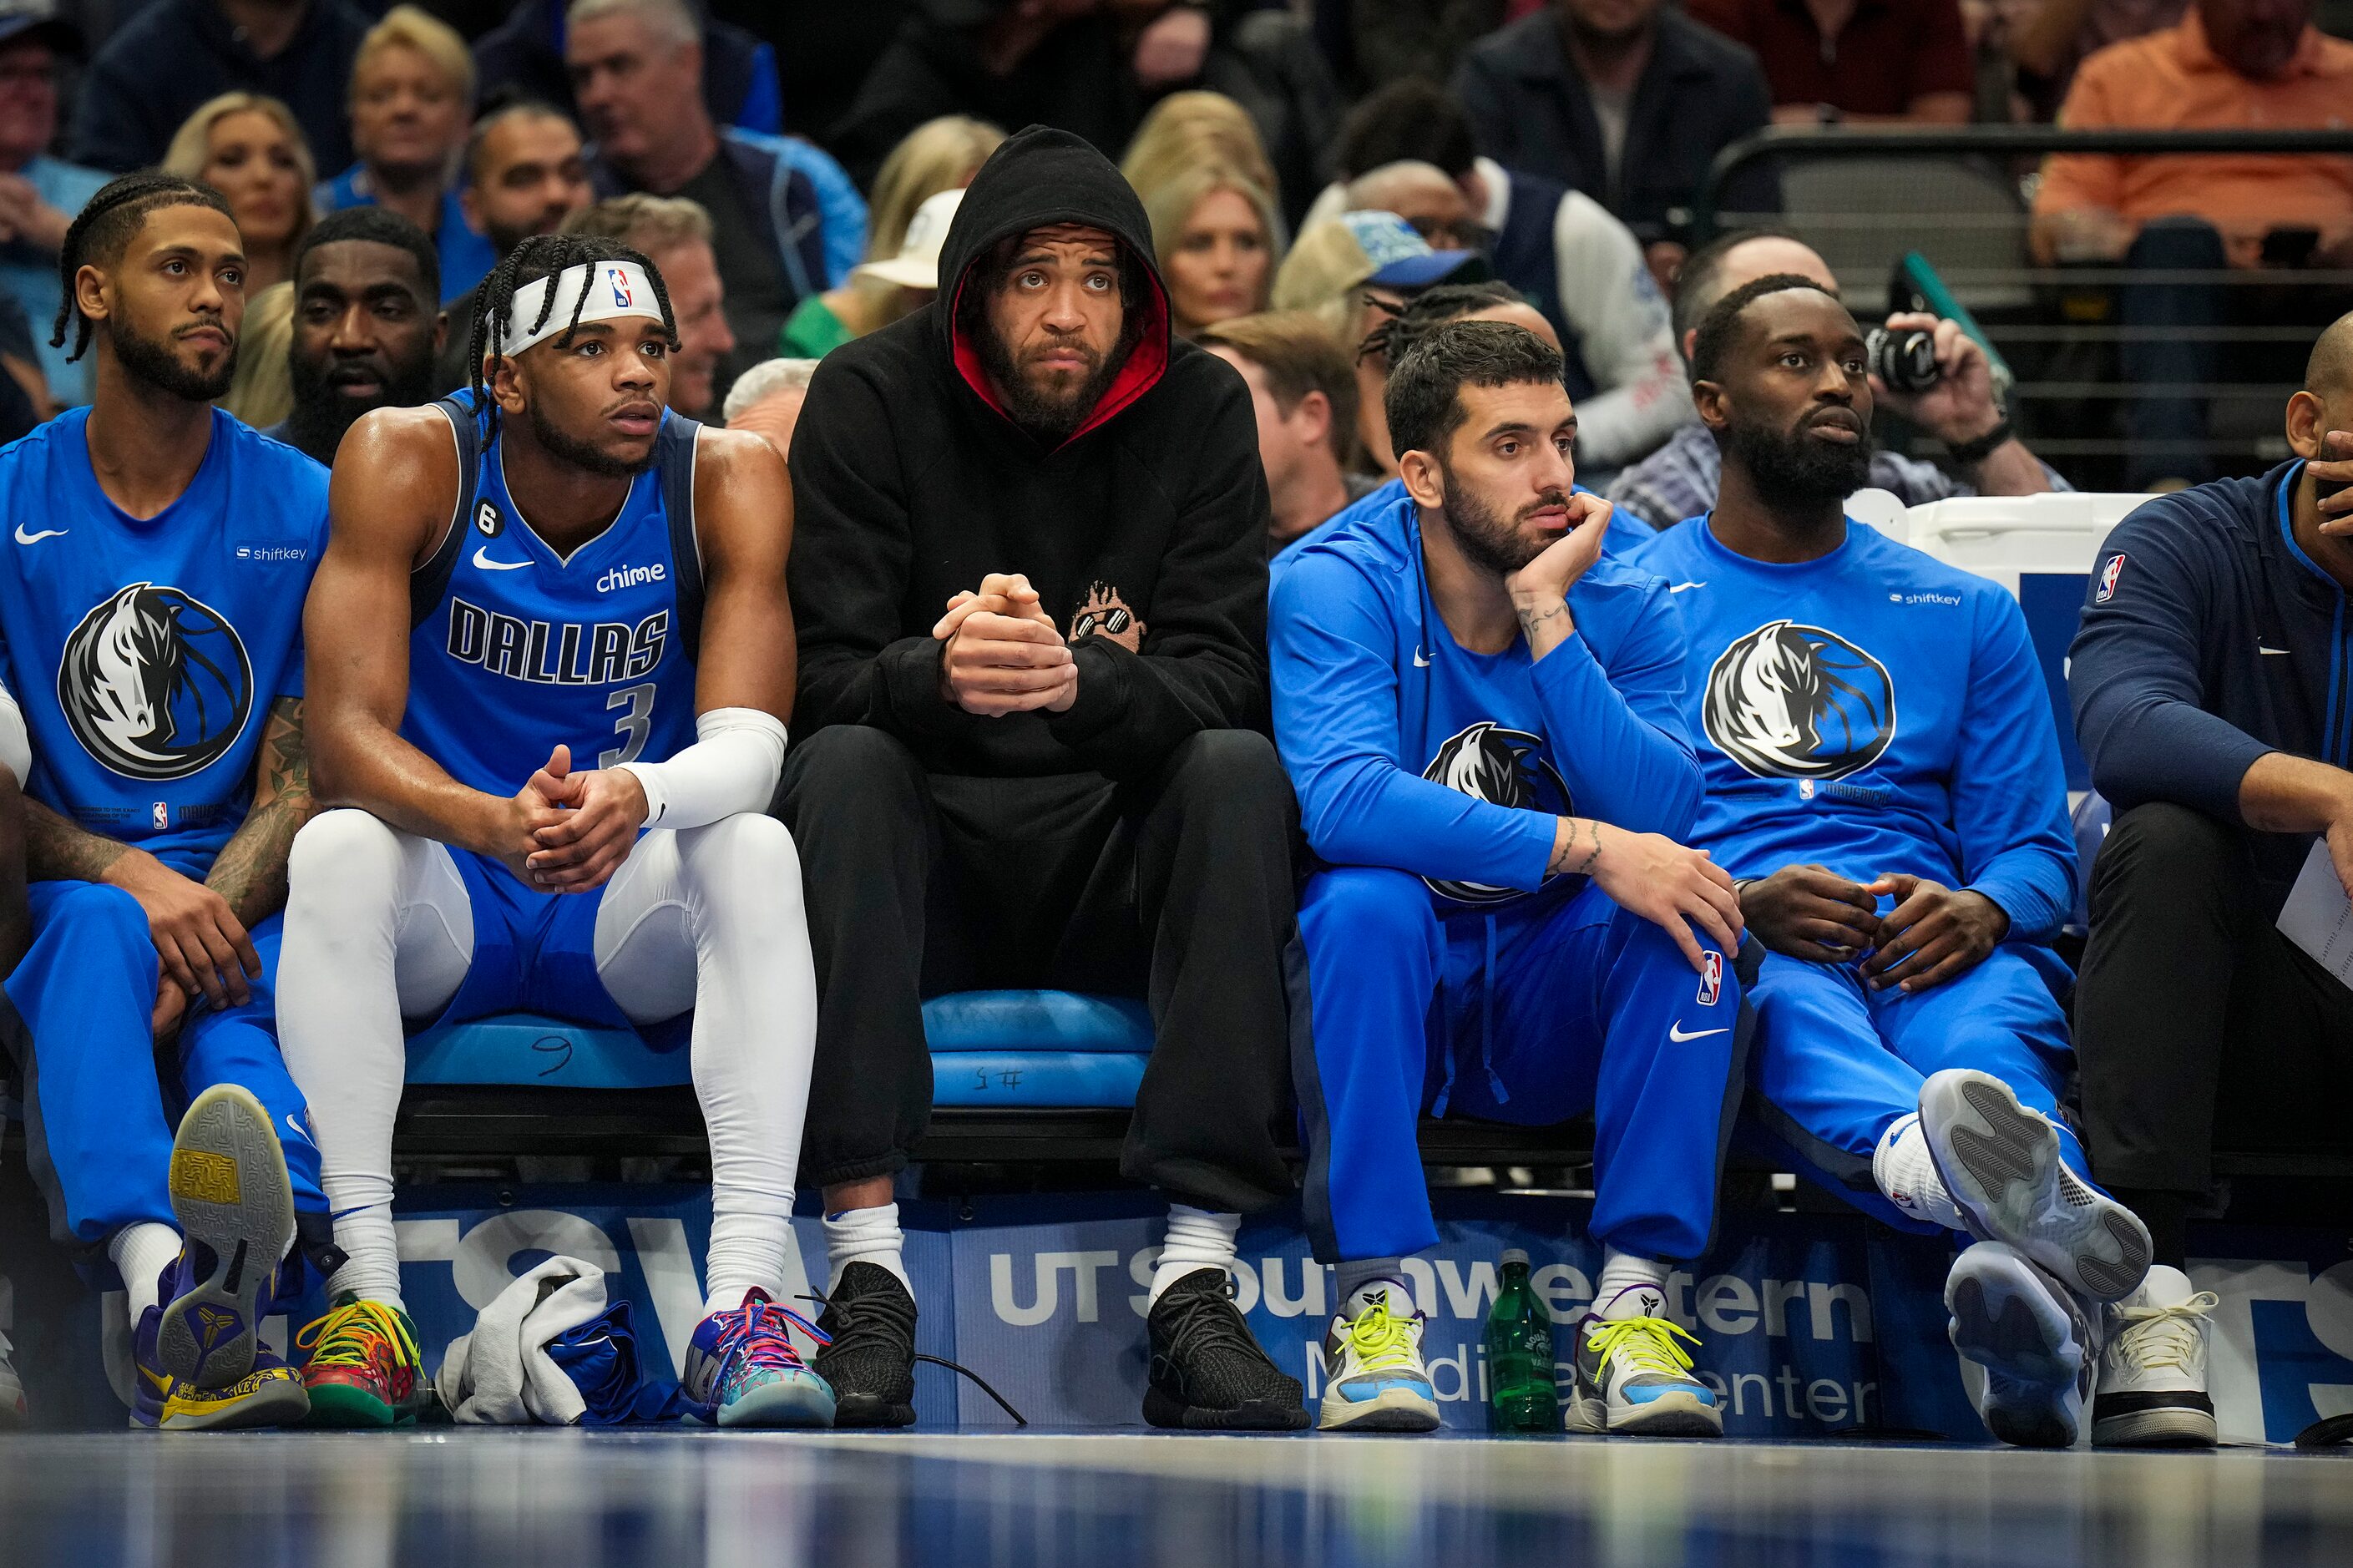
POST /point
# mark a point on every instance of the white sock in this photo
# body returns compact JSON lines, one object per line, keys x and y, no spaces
{"x":371,"y":1269}
{"x":1630,"y":1287}
{"x":1196,"y":1239}
{"x":140,"y":1253}
{"x":1906,"y":1174}
{"x":1364,"y":1281}
{"x":747,"y":1253}
{"x":865,"y":1235}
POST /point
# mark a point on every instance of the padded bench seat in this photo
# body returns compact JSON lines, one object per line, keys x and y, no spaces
{"x":1000,"y":1049}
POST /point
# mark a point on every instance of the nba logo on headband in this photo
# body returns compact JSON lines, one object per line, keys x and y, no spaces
{"x":622,"y":298}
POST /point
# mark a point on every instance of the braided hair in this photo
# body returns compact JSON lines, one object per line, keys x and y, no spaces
{"x":545,"y":256}
{"x":103,"y":229}
{"x":1427,"y":312}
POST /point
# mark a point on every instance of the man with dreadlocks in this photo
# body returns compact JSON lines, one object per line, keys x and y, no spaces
{"x":577,"y":575}
{"x":157,"y":554}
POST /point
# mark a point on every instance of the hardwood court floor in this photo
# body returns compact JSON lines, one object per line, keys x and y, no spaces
{"x":688,"y":1499}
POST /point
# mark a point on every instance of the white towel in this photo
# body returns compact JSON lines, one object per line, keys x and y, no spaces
{"x":500,"y":1376}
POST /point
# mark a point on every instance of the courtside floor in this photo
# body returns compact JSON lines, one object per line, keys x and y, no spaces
{"x":699,"y":1500}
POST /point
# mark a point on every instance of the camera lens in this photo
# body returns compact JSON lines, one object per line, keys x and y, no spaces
{"x":1905,"y":361}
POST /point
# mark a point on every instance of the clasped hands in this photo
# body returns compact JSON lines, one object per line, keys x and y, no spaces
{"x":1001,"y":652}
{"x":1931,"y":934}
{"x":567,"y":832}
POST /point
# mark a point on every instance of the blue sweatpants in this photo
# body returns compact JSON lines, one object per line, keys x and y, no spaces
{"x":1534,"y":1014}
{"x":97,"y":1118}
{"x":1836,"y":1063}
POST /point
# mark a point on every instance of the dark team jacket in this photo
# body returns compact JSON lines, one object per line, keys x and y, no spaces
{"x":1144,"y":532}
{"x":2210,"y":639}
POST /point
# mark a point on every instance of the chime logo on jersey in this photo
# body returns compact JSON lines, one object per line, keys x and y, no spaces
{"x":2108,"y":575}
{"x":1501,"y":767}
{"x":1796,"y":701}
{"x":155,"y":683}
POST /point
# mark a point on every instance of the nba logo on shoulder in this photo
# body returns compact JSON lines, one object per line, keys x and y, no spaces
{"x":2108,"y":575}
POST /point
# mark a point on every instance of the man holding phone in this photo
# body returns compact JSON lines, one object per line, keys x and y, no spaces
{"x":2207,"y":682}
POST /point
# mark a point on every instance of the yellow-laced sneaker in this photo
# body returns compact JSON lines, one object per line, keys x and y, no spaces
{"x":1374,"y":1377}
{"x":364,"y":1368}
{"x":1632,"y":1377}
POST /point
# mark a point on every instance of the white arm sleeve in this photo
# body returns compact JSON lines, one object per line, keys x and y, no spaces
{"x":1622,"y":332}
{"x":16,"y":747}
{"x":733,"y":765}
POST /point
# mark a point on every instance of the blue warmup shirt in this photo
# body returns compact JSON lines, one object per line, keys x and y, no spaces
{"x":1409,"y":751}
{"x":516,"y":649}
{"x":146,"y":652}
{"x":2211,"y":638}
{"x":1873,"y":711}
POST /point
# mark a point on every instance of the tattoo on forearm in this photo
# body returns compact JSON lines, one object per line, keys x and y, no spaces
{"x":251,"y":870}
{"x":1532,"y":618}
{"x":1572,"y":861}
{"x":57,"y":850}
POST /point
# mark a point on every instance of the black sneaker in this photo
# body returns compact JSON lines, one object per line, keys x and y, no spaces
{"x":872,"y":1362}
{"x":1208,"y":1372}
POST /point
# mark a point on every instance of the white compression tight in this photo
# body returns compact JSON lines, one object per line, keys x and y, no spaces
{"x":379,"y":927}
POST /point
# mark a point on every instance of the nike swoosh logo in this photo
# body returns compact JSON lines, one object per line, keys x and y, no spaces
{"x":1419,"y":661}
{"x":1675,"y":1033}
{"x":23,"y":538}
{"x":296,"y":1128}
{"x":1683,"y":587}
{"x":483,"y":559}
{"x":2259,"y":648}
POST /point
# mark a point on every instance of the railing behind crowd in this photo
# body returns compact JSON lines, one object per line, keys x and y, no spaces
{"x":2071,"y":333}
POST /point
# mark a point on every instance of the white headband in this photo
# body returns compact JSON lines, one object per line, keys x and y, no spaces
{"x":616,"y":290}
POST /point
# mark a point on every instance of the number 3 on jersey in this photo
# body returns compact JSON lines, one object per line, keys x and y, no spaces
{"x":632,"y":727}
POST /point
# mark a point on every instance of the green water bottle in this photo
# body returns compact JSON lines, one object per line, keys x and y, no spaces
{"x":1522,"y":1396}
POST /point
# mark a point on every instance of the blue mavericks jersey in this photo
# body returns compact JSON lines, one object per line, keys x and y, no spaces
{"x":146,"y":653}
{"x":1875,"y":711}
{"x":523,"y":650}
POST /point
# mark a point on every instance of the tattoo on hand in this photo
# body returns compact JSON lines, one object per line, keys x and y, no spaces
{"x":1530,"y":619}
{"x":1583,"y":863}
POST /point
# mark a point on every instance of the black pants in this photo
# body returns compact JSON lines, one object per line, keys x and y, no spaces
{"x":2196,"y":1021}
{"x":1177,"y":887}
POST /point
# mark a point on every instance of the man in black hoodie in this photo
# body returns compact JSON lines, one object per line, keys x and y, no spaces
{"x":1063,"y":779}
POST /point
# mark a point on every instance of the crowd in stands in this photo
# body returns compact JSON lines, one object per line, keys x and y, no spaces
{"x":1372,"y":302}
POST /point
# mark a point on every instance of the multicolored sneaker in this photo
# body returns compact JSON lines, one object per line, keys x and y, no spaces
{"x":1374,"y":1379}
{"x":2001,"y":1163}
{"x":236,"y":1209}
{"x":1631,"y":1376}
{"x":742,"y":1369}
{"x":2035,"y":1342}
{"x":364,"y":1368}
{"x":268,"y":1393}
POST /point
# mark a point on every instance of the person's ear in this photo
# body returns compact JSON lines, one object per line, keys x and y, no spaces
{"x":470,"y":207}
{"x":1691,"y":342}
{"x":1714,"y":408}
{"x":1313,"y":413}
{"x":1418,"y":469}
{"x":441,"y":332}
{"x":2307,"y":425}
{"x":503,"y":383}
{"x":89,"y":293}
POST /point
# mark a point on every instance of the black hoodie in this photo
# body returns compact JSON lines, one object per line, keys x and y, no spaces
{"x":911,"y":484}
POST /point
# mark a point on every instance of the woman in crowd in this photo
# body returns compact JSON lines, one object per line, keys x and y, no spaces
{"x":939,"y":155}
{"x":1214,"y":233}
{"x":1188,"y":129}
{"x":412,"y":96}
{"x":250,"y":149}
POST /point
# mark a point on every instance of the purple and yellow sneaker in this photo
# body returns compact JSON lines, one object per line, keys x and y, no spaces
{"x":268,"y":1392}
{"x":236,"y":1208}
{"x":742,"y":1369}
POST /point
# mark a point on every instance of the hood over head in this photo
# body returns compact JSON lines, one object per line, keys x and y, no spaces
{"x":1040,"y":177}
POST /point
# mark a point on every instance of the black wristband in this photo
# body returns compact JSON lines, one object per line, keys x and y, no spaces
{"x":1969,"y":454}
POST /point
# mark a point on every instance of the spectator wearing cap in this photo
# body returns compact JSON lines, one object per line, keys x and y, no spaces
{"x":1304,"y":391}
{"x":635,"y":66}
{"x":38,"y":195}
{"x":525,"y":173}
{"x":412,"y":93}
{"x":1628,"y":101}
{"x":523,"y":56}
{"x":176,"y":55}
{"x":879,"y":292}
{"x":676,"y":236}
{"x":1854,"y":61}
{"x":767,"y":400}
{"x":1352,"y":274}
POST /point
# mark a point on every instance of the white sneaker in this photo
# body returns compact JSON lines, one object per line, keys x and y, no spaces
{"x":2153,"y":1368}
{"x":1374,"y":1379}
{"x":2000,"y":1162}
{"x":12,"y":1413}
{"x":1632,"y":1377}
{"x":2033,"y":1340}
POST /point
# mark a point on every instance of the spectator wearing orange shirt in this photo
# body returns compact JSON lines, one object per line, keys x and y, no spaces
{"x":2229,"y":65}
{"x":1854,"y":61}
